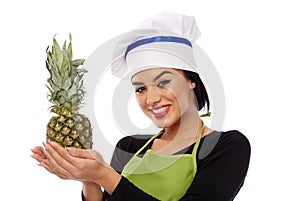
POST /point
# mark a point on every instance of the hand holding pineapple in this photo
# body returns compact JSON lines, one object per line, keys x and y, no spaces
{"x":67,"y":152}
{"x":82,"y":165}
{"x":69,"y":163}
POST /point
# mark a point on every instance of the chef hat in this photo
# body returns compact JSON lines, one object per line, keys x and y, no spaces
{"x":165,"y":40}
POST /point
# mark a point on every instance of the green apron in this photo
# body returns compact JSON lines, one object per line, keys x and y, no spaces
{"x":165,"y":177}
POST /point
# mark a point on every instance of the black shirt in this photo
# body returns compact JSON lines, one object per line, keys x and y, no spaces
{"x":222,"y":164}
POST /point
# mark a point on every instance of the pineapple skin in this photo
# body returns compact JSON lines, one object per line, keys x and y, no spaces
{"x":70,"y":130}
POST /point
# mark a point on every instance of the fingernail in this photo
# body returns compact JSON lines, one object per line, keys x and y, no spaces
{"x":51,"y":143}
{"x":71,"y":149}
{"x":46,"y":161}
{"x":44,"y":144}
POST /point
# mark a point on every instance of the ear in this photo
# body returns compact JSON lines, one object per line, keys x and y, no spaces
{"x":192,"y":85}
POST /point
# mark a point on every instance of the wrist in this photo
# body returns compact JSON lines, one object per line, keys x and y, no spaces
{"x":87,"y":184}
{"x":108,"y":179}
{"x":91,"y":191}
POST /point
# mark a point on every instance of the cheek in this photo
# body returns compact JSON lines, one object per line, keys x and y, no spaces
{"x":180,"y":96}
{"x":138,"y":99}
{"x":177,"y":92}
{"x":141,"y":101}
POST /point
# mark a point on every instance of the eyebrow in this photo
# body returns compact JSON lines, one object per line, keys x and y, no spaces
{"x":154,"y":79}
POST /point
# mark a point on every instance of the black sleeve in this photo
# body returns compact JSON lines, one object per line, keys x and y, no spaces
{"x":222,"y":172}
{"x":127,"y":191}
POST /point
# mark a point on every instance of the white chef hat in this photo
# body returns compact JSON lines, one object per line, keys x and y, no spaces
{"x":165,"y":40}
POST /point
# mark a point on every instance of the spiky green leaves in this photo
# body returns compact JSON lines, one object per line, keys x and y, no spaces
{"x":65,"y":84}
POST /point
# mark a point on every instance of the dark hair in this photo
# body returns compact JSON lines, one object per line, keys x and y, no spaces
{"x":201,"y":97}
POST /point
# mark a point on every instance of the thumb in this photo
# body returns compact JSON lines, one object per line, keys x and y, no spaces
{"x":79,"y":153}
{"x":85,"y":153}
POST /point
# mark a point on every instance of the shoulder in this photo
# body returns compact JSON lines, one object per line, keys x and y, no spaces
{"x":221,"y":142}
{"x":132,"y":143}
{"x":223,"y":164}
{"x":234,"y":139}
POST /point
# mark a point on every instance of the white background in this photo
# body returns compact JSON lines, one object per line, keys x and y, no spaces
{"x":255,"y":46}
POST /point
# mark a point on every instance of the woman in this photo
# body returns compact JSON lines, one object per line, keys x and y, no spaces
{"x":184,"y":161}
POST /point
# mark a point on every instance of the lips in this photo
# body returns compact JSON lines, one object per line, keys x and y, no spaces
{"x":161,"y":111}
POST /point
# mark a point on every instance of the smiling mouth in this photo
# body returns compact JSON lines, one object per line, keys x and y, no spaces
{"x":160,"y":112}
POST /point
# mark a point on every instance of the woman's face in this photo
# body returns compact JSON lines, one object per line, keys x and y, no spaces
{"x":164,"y":95}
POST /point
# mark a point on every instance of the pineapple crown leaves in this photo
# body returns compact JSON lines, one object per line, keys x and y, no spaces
{"x":65,"y":83}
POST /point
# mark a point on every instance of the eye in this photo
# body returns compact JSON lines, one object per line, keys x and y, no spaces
{"x":140,"y":89}
{"x":163,"y":83}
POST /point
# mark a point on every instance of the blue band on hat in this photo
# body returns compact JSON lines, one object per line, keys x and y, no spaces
{"x":157,"y":39}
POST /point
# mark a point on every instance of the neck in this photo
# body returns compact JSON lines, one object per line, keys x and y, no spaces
{"x":187,"y":127}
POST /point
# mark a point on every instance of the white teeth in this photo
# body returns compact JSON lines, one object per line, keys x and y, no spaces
{"x":160,"y":110}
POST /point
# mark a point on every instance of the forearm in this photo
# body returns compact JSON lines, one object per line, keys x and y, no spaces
{"x":109,"y":179}
{"x":91,"y":192}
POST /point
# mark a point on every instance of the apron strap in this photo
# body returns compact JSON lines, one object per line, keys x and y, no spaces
{"x":194,"y":153}
{"x":148,"y":142}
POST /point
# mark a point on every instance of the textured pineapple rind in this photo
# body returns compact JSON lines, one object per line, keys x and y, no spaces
{"x":71,"y":130}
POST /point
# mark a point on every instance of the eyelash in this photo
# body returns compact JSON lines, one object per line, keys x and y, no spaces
{"x":140,"y":89}
{"x":160,"y":84}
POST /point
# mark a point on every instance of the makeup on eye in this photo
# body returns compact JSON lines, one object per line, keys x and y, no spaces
{"x":161,"y":83}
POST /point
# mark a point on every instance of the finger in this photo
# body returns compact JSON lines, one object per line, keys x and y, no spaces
{"x":34,"y":150}
{"x":62,"y":153}
{"x":82,"y":153}
{"x":39,"y":150}
{"x":45,"y":165}
{"x":55,"y":168}
{"x":86,"y":153}
{"x":57,"y":163}
{"x":38,"y":157}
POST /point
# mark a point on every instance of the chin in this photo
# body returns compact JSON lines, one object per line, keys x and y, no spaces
{"x":163,"y":123}
{"x":159,"y":123}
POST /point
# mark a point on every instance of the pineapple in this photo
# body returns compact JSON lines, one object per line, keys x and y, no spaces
{"x":68,"y":127}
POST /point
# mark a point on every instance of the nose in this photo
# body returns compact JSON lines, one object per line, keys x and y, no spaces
{"x":153,"y":95}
